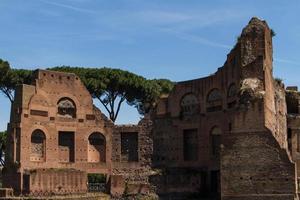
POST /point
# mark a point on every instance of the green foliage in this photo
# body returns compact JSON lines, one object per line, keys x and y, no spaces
{"x":3,"y":136}
{"x":6,"y":87}
{"x":166,"y":86}
{"x":113,"y":87}
{"x":96,"y":178}
{"x":10,"y":78}
{"x":273,"y":34}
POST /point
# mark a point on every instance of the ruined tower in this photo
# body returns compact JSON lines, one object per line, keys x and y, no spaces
{"x":229,"y":129}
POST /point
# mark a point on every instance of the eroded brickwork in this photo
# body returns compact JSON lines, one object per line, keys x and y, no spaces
{"x":131,"y":158}
{"x":240,"y":117}
{"x":54,"y":125}
{"x":233,"y":135}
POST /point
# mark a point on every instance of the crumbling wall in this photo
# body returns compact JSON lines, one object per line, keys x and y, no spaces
{"x":293,"y":124}
{"x":254,"y":158}
{"x":132,"y":176}
{"x":253,"y":165}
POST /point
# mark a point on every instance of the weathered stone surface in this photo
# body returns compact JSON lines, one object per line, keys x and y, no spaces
{"x":254,"y":162}
{"x":234,"y":135}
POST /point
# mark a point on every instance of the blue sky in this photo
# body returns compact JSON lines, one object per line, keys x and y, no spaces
{"x":174,"y":39}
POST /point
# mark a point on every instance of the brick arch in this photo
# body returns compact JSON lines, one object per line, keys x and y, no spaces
{"x":66,"y":108}
{"x":231,"y":95}
{"x":39,"y":96}
{"x":214,"y":100}
{"x":45,"y":131}
{"x":189,"y":104}
{"x":232,"y":90}
{"x":97,"y":147}
{"x":42,"y":128}
{"x":69,"y":96}
{"x":38,"y":146}
{"x":214,"y":95}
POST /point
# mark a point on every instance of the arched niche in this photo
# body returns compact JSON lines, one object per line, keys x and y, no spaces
{"x":96,"y":148}
{"x":232,"y":90}
{"x":66,"y":108}
{"x":189,"y":104}
{"x":214,"y":101}
{"x":231,"y":95}
{"x":38,"y":146}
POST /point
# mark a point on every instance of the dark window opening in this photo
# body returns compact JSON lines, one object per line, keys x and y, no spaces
{"x":292,"y":102}
{"x":229,"y":126}
{"x":216,"y":133}
{"x":232,"y":91}
{"x":129,"y":147}
{"x":231,"y":104}
{"x":204,"y":186}
{"x":214,"y":101}
{"x":26,"y":183}
{"x":38,"y":140}
{"x":189,"y":105}
{"x":190,"y":145}
{"x":216,"y":141}
{"x":289,"y":138}
{"x":215,"y":183}
{"x":66,"y":108}
{"x":66,"y":146}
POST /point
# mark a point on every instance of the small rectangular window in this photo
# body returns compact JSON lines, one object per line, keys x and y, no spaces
{"x":129,"y":146}
{"x":216,"y":142}
{"x":190,"y":145}
{"x":66,"y":146}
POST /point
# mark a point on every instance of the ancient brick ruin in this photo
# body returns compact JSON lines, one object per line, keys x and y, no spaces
{"x":233,"y":135}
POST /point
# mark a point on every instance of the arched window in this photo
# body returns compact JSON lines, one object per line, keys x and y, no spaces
{"x":215,"y":135}
{"x":38,"y":143}
{"x":96,"y":148}
{"x":189,"y":104}
{"x":232,"y":91}
{"x":66,"y":108}
{"x":231,"y":95}
{"x":214,"y":100}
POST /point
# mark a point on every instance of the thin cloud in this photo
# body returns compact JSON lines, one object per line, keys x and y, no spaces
{"x":187,"y":19}
{"x":201,"y":40}
{"x":197,"y":39}
{"x":86,"y":36}
{"x":162,"y":17}
{"x":180,"y":24}
{"x":292,"y":62}
{"x":70,"y":7}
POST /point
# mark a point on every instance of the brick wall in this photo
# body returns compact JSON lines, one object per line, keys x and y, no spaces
{"x":131,"y":176}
